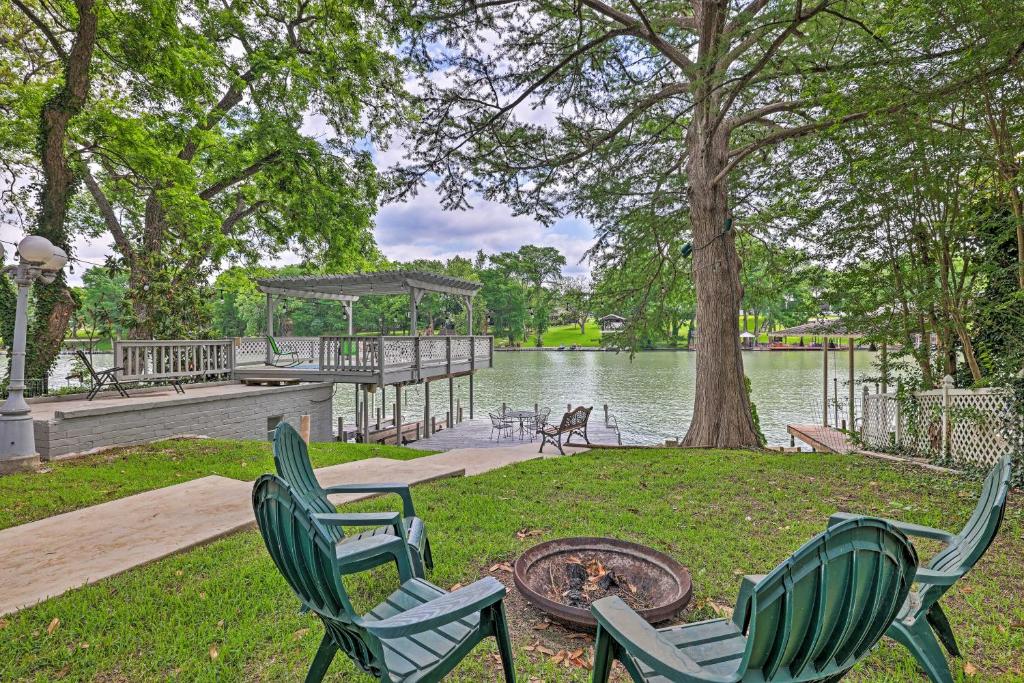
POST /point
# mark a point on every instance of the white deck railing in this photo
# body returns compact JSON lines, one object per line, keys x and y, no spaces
{"x":151,"y":359}
{"x":422,"y":356}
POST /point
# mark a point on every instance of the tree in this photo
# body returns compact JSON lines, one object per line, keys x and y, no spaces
{"x":575,"y":298}
{"x":54,"y":303}
{"x":538,"y":269}
{"x":232,"y":134}
{"x":667,"y":105}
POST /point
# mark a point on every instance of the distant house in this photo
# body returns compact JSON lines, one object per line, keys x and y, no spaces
{"x":611,"y":322}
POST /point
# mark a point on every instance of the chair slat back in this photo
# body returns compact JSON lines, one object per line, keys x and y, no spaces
{"x":978,"y":533}
{"x":273,"y":345}
{"x":300,"y":547}
{"x":88,"y":365}
{"x":825,"y":607}
{"x":574,"y":419}
{"x":304,"y":554}
{"x":291,"y":458}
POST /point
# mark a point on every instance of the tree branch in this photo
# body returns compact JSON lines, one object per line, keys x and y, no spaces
{"x":247,"y":172}
{"x":734,"y":122}
{"x":641,"y":29}
{"x":107,"y":212}
{"x":51,"y":37}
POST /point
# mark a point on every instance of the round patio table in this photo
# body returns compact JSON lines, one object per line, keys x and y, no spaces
{"x":521,"y":415}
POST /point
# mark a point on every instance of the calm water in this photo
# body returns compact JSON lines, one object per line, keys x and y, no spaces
{"x":651,"y":396}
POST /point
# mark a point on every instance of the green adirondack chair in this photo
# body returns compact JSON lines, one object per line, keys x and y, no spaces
{"x":921,"y":618}
{"x":291,"y":458}
{"x":417,"y":635}
{"x":811,"y":619}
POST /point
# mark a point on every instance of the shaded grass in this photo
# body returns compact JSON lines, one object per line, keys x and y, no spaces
{"x":720,"y":513}
{"x":65,"y":485}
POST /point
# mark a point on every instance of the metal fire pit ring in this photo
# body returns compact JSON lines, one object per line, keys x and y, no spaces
{"x":670,"y":579}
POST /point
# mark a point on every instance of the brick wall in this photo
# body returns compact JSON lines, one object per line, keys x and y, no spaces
{"x":228,"y":416}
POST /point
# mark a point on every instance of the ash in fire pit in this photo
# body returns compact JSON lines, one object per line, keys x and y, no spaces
{"x":587,"y":579}
{"x":563,"y":577}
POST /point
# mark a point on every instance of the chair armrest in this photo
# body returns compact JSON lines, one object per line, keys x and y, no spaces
{"x":935,"y":578}
{"x":391,"y":519}
{"x":739,"y":614}
{"x":440,"y":611}
{"x":401,"y":490}
{"x":906,"y":527}
{"x":352,"y":554}
{"x":642,"y":641}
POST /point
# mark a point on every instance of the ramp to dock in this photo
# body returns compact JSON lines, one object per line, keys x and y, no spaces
{"x":822,"y":438}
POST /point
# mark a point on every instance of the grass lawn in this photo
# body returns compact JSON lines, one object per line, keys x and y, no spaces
{"x":567,"y":335}
{"x":222,"y":612}
{"x":67,"y":485}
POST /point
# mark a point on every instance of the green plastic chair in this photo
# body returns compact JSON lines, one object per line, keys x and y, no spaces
{"x":291,"y":458}
{"x":921,"y":619}
{"x":811,"y":619}
{"x":279,"y":353}
{"x":417,"y":635}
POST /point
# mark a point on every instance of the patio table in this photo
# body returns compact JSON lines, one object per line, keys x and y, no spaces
{"x":521,"y":415}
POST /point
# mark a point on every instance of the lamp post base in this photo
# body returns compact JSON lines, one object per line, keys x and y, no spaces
{"x":18,"y":463}
{"x":17,"y":443}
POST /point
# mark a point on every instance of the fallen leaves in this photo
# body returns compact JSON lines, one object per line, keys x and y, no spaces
{"x":501,"y":567}
{"x":54,"y":625}
{"x":298,"y":635}
{"x":542,"y":626}
{"x":970,"y":669}
{"x":3,"y":624}
{"x":526,"y":533}
{"x":567,"y":658}
{"x":455,"y":588}
{"x":214,"y":652}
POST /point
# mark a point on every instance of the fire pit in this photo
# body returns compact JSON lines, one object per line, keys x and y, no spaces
{"x":563,"y":577}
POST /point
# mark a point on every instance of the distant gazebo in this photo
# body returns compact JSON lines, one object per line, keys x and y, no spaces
{"x":611,"y":322}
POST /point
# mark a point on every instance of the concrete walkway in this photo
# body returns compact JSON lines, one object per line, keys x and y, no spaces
{"x":51,"y":556}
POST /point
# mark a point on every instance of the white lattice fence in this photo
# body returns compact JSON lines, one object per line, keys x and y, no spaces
{"x":964,"y":425}
{"x":976,"y":428}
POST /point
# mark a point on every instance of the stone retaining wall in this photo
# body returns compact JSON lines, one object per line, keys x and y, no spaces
{"x":230,"y":415}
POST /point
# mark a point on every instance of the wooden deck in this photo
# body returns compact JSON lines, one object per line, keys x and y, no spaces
{"x":822,"y":438}
{"x":477,"y":434}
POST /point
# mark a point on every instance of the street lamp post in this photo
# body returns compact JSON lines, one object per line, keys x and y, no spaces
{"x":38,"y":260}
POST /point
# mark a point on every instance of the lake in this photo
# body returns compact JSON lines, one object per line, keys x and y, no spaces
{"x":651,"y":395}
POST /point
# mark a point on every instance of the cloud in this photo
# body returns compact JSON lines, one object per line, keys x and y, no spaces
{"x":421,"y":228}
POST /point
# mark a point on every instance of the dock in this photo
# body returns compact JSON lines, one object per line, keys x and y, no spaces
{"x":822,"y":438}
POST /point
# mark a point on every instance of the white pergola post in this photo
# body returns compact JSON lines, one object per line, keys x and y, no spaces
{"x":270,"y":327}
{"x":348,"y":314}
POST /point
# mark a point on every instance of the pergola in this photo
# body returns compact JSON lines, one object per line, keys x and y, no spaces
{"x":349,"y":288}
{"x":832,"y":329}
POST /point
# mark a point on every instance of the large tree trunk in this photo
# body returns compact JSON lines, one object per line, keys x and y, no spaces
{"x":54,"y":303}
{"x":721,"y":410}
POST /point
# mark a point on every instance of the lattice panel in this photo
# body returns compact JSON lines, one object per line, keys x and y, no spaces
{"x":922,"y":433}
{"x":433,"y":350}
{"x":483,"y":347}
{"x":399,"y":352}
{"x":879,"y":420}
{"x":976,"y":430}
{"x":460,"y":349}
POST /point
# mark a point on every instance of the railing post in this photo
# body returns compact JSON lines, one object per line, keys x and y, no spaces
{"x":947,"y":384}
{"x":380,"y":360}
{"x":448,"y":355}
{"x":899,"y":417}
{"x":864,"y":409}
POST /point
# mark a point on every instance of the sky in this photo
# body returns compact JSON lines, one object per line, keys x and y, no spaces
{"x":419,"y":228}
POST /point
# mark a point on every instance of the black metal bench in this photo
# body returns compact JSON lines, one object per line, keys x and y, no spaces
{"x":573,"y":422}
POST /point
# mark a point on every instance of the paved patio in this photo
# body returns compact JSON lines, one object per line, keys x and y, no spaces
{"x":51,"y":556}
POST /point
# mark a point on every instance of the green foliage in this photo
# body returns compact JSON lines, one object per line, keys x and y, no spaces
{"x":753,"y":413}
